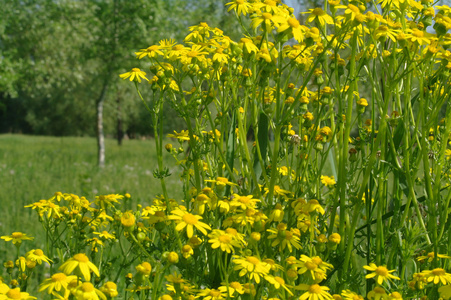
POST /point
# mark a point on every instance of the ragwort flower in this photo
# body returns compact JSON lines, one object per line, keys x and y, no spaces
{"x":81,"y":265}
{"x":381,"y":273}
{"x":16,"y":237}
{"x":314,"y":292}
{"x":135,"y":74}
{"x":188,"y":221}
{"x":252,"y":266}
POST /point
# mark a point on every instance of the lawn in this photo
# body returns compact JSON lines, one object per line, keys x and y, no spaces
{"x":35,"y":167}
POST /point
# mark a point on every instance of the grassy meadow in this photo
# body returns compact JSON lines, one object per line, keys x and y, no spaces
{"x":35,"y":167}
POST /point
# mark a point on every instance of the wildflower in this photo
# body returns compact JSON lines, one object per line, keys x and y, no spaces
{"x":58,"y":282}
{"x":190,"y":221}
{"x":395,"y":295}
{"x":377,"y":293}
{"x":16,"y":237}
{"x":314,"y":292}
{"x":430,"y":256}
{"x":293,"y":25}
{"x":107,"y":200}
{"x":151,"y":51}
{"x":109,"y":288}
{"x":286,"y":238}
{"x":128,"y":219}
{"x":335,"y":238}
{"x":278,"y":282}
{"x":315,"y":266}
{"x":320,"y":15}
{"x":380,"y":272}
{"x":38,"y":256}
{"x":15,"y":294}
{"x":144,"y":268}
{"x":349,"y":295}
{"x":187,"y":251}
{"x":240,"y":7}
{"x":135,"y":74}
{"x":328,"y":181}
{"x":251,"y":266}
{"x":223,"y":240}
{"x":313,"y":205}
{"x":445,"y":291}
{"x":267,"y":19}
{"x":437,"y":275}
{"x":235,"y":286}
{"x":214,"y":294}
{"x":248,"y":45}
{"x":173,"y":257}
{"x":81,"y":265}
{"x":87,"y":291}
{"x":105,"y":235}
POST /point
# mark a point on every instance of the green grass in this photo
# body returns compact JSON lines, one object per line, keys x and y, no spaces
{"x":34,"y":168}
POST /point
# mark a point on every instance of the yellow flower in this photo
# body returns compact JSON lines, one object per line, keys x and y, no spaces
{"x":314,"y":292}
{"x":151,"y":51}
{"x":349,"y":295}
{"x":445,"y":291}
{"x":315,"y":266}
{"x":248,"y":45}
{"x":328,"y":181}
{"x":188,"y":221}
{"x":81,"y":265}
{"x":187,"y":251}
{"x":109,"y":288}
{"x":128,"y":219}
{"x":430,"y":256}
{"x":223,"y":240}
{"x":14,"y":294}
{"x":87,"y":291}
{"x":267,"y":19}
{"x":240,"y":6}
{"x":284,"y":238}
{"x":278,"y":282}
{"x":16,"y":237}
{"x":295,"y":28}
{"x":320,"y":15}
{"x":38,"y":256}
{"x":107,"y":200}
{"x":105,"y":235}
{"x":135,"y":74}
{"x":437,"y":275}
{"x":58,"y":282}
{"x":380,"y":272}
{"x":251,"y":266}
{"x":214,"y":294}
{"x":377,"y":293}
{"x":144,"y":268}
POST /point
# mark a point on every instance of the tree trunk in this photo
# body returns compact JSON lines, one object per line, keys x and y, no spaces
{"x":100,"y":133}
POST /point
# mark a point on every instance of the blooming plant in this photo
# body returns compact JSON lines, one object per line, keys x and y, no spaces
{"x":314,"y":165}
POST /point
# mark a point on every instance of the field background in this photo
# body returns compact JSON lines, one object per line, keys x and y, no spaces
{"x":35,"y":167}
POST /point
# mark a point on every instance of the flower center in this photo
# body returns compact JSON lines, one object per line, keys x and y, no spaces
{"x":266,"y":16}
{"x":318,"y":11}
{"x":17,"y":235}
{"x":418,"y":33}
{"x":136,"y":70}
{"x":379,"y":290}
{"x":177,"y":47}
{"x":438,"y":272}
{"x":189,"y":219}
{"x":87,"y":287}
{"x":239,"y":2}
{"x":59,"y":277}
{"x":81,"y":257}
{"x":215,"y":293}
{"x":14,"y":294}
{"x":381,"y":271}
{"x":224,"y":239}
{"x":315,"y":289}
{"x":253,"y":260}
{"x":245,"y":40}
{"x":293,"y":23}
{"x":152,"y":48}
{"x":279,"y":280}
{"x":317,"y":260}
{"x":38,"y":252}
{"x":311,"y":265}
